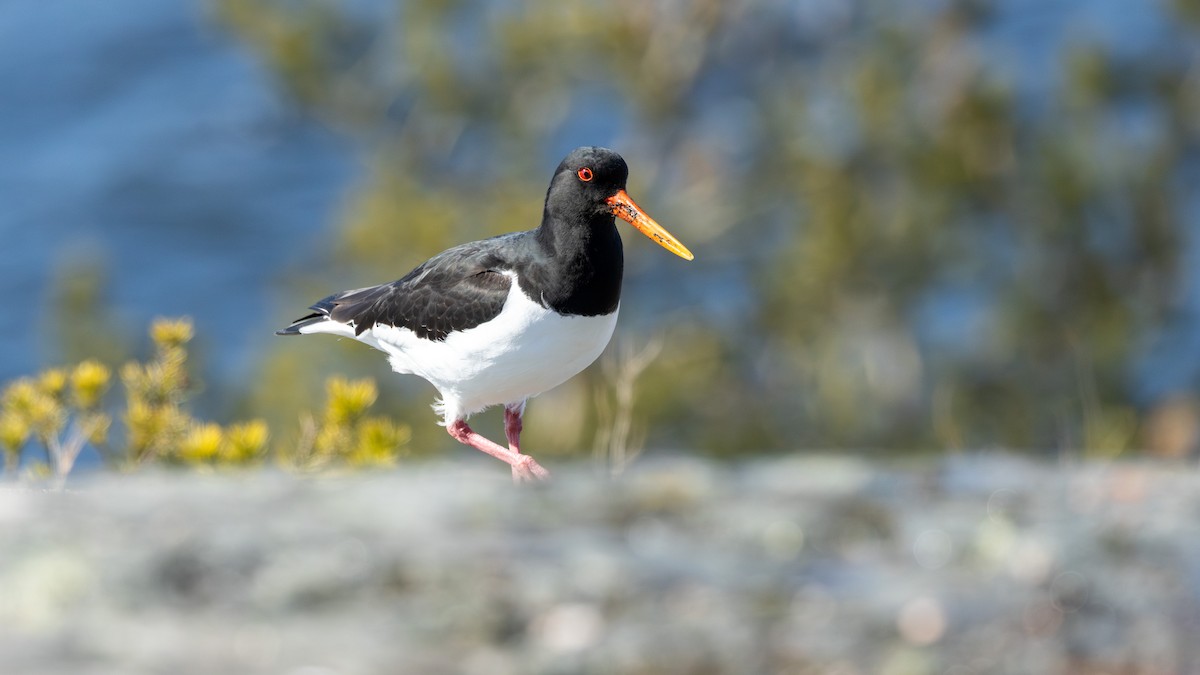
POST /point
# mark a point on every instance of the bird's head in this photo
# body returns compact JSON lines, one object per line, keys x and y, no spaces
{"x":591,"y":181}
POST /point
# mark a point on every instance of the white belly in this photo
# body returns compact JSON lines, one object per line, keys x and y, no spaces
{"x":523,"y":352}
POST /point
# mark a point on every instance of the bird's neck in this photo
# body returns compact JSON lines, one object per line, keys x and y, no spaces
{"x":586,"y":259}
{"x":567,"y":235}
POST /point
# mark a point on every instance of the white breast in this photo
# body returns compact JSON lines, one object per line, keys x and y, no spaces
{"x":524,"y":351}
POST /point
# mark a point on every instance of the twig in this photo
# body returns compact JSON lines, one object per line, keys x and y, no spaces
{"x":614,"y":437}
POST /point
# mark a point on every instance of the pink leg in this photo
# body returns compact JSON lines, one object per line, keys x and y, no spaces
{"x":512,"y":430}
{"x":524,"y":467}
{"x":512,"y":425}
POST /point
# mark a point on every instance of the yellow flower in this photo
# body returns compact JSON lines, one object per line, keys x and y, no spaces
{"x":53,"y":381}
{"x":40,"y":411}
{"x":171,"y":333}
{"x":14,"y":431}
{"x":348,"y":400}
{"x":245,"y":441}
{"x":378,"y":442}
{"x":89,"y":381}
{"x":20,"y":396}
{"x":202,"y":443}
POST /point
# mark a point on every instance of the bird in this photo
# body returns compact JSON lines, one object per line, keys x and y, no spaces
{"x":501,"y":320}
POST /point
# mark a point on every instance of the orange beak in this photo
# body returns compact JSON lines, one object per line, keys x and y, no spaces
{"x":624,"y":208}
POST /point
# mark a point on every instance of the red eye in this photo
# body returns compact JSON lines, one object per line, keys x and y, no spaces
{"x":585,"y":175}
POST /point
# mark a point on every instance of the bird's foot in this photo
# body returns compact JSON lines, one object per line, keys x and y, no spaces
{"x":527,"y":470}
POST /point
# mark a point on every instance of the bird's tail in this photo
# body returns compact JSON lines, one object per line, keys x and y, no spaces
{"x":336,"y":313}
{"x":309,"y":320}
{"x":320,"y":314}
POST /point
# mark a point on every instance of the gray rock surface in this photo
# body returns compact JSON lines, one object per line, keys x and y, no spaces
{"x":810,"y":565}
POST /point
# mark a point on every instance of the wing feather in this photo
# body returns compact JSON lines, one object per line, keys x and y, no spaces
{"x":453,"y":291}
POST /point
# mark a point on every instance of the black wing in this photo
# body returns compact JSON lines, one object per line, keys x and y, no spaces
{"x":455,"y":290}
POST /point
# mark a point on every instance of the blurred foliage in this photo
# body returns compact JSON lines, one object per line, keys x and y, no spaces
{"x":62,"y":410}
{"x":903,"y":241}
{"x":81,"y":318}
{"x":155,"y":393}
{"x":617,"y":442}
{"x":344,"y":432}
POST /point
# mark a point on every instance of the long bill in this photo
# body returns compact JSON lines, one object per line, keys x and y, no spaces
{"x":624,"y":208}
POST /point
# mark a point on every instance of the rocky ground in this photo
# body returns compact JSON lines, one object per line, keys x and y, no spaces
{"x":817,"y":565}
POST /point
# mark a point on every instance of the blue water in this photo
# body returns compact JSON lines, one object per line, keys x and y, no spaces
{"x":136,"y":133}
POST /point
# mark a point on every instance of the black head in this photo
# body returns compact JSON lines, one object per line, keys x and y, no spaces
{"x":588,"y":188}
{"x":584,"y":181}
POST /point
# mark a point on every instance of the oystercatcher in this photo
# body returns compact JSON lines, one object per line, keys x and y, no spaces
{"x":497,"y":321}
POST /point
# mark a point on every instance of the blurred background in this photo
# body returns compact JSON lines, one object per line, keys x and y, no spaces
{"x":919,"y":227}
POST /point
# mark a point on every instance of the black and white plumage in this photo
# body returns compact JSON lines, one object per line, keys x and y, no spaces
{"x":497,"y":321}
